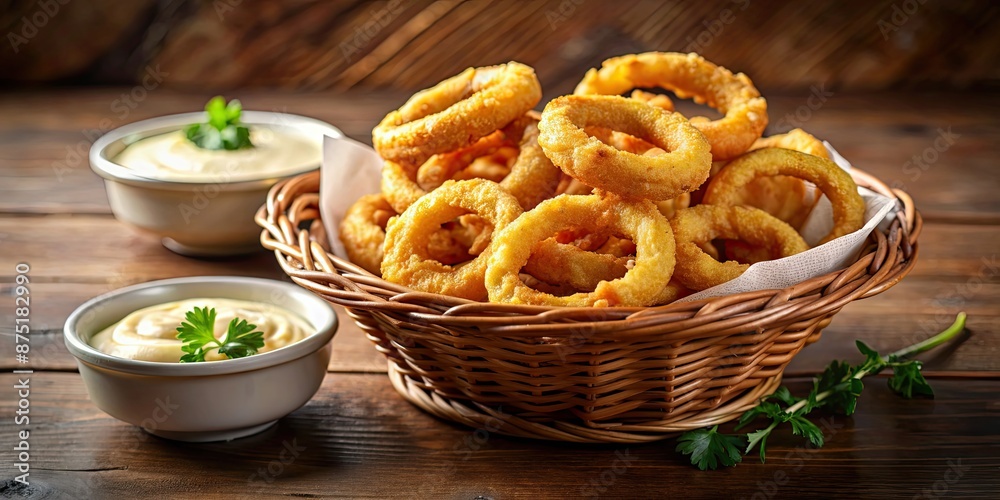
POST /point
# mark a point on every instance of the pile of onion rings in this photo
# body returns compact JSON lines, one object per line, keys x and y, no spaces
{"x":602,"y":200}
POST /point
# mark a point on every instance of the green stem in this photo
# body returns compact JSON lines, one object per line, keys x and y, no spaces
{"x":949,"y":333}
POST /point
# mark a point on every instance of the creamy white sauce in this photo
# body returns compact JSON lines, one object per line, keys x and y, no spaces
{"x":172,"y":157}
{"x":150,"y":334}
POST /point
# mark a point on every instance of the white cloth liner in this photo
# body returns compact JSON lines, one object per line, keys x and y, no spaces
{"x":351,"y":169}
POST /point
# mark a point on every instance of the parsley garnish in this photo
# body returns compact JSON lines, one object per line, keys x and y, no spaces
{"x":708,"y":448}
{"x":223,"y":130}
{"x":198,"y":335}
{"x":837,"y":388}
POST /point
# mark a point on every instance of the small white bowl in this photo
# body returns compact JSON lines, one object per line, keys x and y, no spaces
{"x":210,"y":218}
{"x":209,"y":401}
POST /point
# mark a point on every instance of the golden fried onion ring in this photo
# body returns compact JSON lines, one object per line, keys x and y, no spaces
{"x":456,"y":113}
{"x":796,"y":140}
{"x":531,"y":179}
{"x":442,"y":167}
{"x":690,"y":75}
{"x":786,"y":198}
{"x":680,"y":169}
{"x":362,"y":231}
{"x":834,"y":182}
{"x":565,"y":264}
{"x":700,"y":224}
{"x":643,"y":285}
{"x":407,"y":258}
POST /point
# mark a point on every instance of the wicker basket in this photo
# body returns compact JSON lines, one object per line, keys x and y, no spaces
{"x":581,"y":374}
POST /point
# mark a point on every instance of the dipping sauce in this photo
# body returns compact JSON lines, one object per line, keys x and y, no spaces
{"x":150,"y":334}
{"x":172,"y":157}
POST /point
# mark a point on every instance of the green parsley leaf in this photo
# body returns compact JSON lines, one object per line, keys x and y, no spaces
{"x":759,"y":438}
{"x":241,"y":339}
{"x":801,"y":426}
{"x":198,"y":334}
{"x":873,"y":360}
{"x":223,"y":130}
{"x":907,"y":380}
{"x":709,"y":448}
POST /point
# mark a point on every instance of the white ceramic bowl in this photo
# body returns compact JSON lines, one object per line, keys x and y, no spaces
{"x":209,"y":401}
{"x":208,"y":218}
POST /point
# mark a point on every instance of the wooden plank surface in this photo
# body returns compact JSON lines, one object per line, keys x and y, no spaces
{"x":358,"y":439}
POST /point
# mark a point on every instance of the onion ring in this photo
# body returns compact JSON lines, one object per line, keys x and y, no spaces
{"x":834,"y":182}
{"x":494,"y":166}
{"x":796,"y":140}
{"x":643,"y":285}
{"x":531,"y":179}
{"x":456,"y":113}
{"x":658,"y":100}
{"x":399,"y":185}
{"x":407,"y":259}
{"x":561,"y":263}
{"x":681,"y":170}
{"x":362,"y":231}
{"x":442,"y":167}
{"x":786,"y":198}
{"x":690,"y":75}
{"x":703,"y":223}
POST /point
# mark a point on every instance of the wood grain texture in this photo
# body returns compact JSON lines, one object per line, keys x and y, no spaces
{"x":358,"y":439}
{"x":411,"y":44}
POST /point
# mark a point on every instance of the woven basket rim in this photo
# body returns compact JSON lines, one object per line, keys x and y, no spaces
{"x":304,"y":255}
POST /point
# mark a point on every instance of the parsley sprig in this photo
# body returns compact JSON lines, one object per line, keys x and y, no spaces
{"x":837,"y":389}
{"x":198,"y":335}
{"x":223,"y":129}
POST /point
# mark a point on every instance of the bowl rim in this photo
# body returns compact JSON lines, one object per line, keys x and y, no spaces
{"x":84,"y":352}
{"x":112,"y":171}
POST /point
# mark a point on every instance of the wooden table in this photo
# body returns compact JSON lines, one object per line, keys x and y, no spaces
{"x":358,"y":438}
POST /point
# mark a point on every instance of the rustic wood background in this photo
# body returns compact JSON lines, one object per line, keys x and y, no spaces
{"x":410,"y":44}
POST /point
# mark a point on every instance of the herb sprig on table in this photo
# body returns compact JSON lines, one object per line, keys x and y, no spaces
{"x":837,"y":389}
{"x":198,"y":335}
{"x":224,"y":130}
